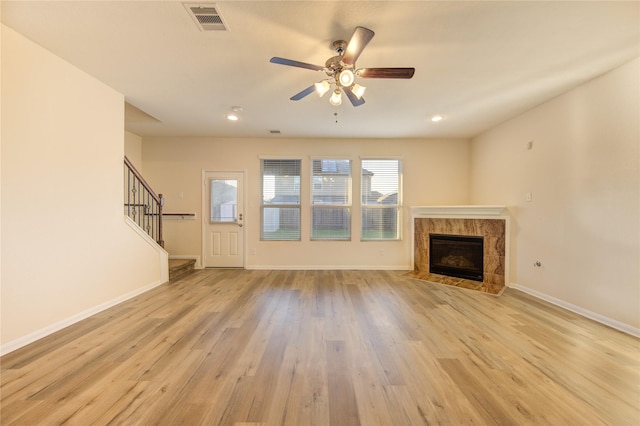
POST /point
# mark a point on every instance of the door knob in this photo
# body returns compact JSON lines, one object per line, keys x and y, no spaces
{"x":240,"y":225}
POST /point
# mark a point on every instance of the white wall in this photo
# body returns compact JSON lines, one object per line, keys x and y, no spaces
{"x":435,"y":172}
{"x":583,"y":222}
{"x":67,"y":250}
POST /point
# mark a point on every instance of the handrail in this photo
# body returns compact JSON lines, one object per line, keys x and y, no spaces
{"x":141,"y":203}
{"x":141,"y":179}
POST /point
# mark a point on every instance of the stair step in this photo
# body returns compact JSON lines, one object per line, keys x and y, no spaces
{"x":179,"y":268}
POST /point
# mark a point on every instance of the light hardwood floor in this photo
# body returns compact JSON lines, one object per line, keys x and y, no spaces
{"x":234,"y":347}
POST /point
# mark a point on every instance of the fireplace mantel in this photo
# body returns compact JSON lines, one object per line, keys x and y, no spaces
{"x":457,"y":211}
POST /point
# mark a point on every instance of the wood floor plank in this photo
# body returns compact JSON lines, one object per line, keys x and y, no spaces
{"x":377,"y":340}
{"x":302,"y":392}
{"x":343,"y":407}
{"x":236,"y":347}
{"x":478,"y":394}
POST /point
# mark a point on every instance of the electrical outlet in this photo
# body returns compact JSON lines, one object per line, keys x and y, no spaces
{"x":529,"y":196}
{"x":381,"y":252}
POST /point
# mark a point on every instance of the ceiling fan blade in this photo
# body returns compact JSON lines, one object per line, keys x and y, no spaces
{"x":386,"y":72}
{"x":303,"y":93}
{"x":359,"y":40}
{"x":292,"y":63}
{"x":352,"y":97}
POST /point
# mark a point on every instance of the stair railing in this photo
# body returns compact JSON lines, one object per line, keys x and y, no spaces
{"x":141,"y":203}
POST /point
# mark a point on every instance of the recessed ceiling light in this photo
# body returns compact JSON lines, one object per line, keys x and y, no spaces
{"x":233,"y":116}
{"x":437,"y":117}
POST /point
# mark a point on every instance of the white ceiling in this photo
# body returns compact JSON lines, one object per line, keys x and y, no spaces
{"x":478,"y":63}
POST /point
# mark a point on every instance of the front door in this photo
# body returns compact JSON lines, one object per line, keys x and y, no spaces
{"x":223,"y":220}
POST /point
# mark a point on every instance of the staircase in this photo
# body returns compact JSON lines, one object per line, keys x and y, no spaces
{"x":180,"y":268}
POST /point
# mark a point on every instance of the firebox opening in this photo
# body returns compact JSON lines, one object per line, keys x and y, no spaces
{"x":458,"y":256}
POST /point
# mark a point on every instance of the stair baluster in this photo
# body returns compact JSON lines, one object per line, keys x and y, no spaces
{"x":142,"y":204}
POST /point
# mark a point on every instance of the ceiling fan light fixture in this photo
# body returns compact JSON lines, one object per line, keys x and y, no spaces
{"x":358,"y":90}
{"x":346,"y":78}
{"x":336,"y":98}
{"x":322,"y":87}
{"x":341,"y":70}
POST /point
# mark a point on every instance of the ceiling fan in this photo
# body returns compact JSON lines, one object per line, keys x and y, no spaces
{"x":341,"y":70}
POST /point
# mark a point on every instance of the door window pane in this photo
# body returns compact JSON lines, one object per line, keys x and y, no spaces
{"x":224,"y":200}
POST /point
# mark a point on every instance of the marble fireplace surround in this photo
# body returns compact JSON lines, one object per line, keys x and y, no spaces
{"x":490,"y":222}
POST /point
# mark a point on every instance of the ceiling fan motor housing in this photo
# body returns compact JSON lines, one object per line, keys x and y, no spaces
{"x":334,"y":65}
{"x":339,"y":46}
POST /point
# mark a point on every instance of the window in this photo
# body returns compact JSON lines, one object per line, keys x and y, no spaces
{"x":280,"y":200}
{"x":381,"y":189}
{"x":331,"y":200}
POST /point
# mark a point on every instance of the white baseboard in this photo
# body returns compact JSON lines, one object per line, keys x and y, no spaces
{"x":331,"y":267}
{"x":32,"y":337}
{"x":625,"y":328}
{"x":198,"y":264}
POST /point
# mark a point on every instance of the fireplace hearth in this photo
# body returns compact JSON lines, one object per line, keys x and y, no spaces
{"x":458,"y":256}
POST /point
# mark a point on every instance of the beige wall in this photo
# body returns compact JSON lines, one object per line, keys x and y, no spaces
{"x":133,"y":149}
{"x":583,"y":220}
{"x":435,"y":172}
{"x":67,"y":250}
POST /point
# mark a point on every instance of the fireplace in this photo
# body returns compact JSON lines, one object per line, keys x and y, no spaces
{"x":460,"y":256}
{"x":490,"y":223}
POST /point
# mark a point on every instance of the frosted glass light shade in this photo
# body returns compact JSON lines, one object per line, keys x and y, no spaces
{"x":336,"y":98}
{"x":358,"y":90}
{"x":322,"y":87}
{"x":346,"y":78}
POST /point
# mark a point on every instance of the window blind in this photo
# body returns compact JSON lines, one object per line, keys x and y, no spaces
{"x":280,"y":209}
{"x":331,"y":199}
{"x":381,"y":199}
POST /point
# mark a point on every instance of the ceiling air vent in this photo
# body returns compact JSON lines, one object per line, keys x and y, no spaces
{"x":206,"y":16}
